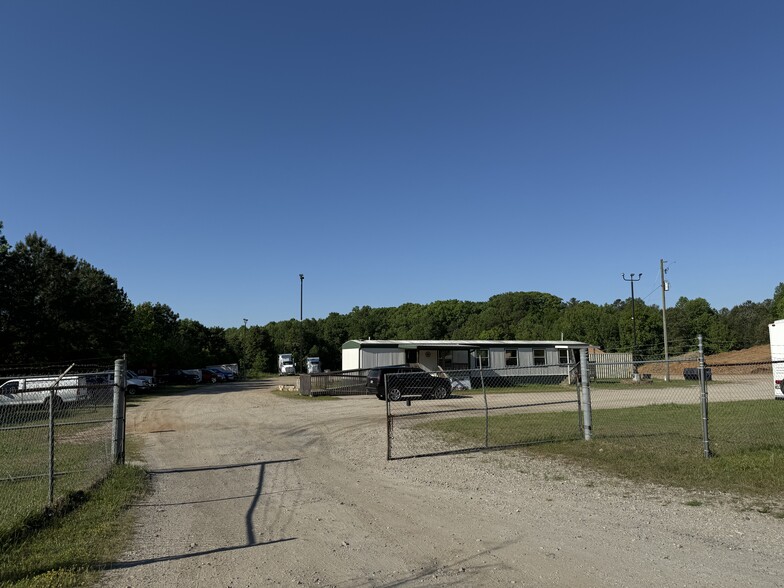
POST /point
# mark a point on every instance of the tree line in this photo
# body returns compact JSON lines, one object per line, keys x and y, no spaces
{"x":56,"y":308}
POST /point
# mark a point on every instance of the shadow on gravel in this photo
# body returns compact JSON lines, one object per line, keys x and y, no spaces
{"x":197,"y":389}
{"x":151,"y":560}
{"x":249,"y":529}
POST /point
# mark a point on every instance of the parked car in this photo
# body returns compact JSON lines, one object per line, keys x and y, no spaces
{"x":209,"y":376}
{"x":406,"y":380}
{"x":133,"y":384}
{"x":227,"y":374}
{"x":149,"y":379}
{"x":181,"y":377}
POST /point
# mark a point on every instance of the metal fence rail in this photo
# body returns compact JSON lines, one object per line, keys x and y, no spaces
{"x":482,"y":409}
{"x":343,"y":383}
{"x":58,"y":435}
{"x":688,"y":404}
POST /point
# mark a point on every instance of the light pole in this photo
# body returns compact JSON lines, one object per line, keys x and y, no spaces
{"x":301,"y":331}
{"x":246,"y":323}
{"x":631,"y":279}
{"x":301,"y":285}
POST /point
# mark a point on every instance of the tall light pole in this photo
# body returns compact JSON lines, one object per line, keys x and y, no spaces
{"x":301,"y":331}
{"x":246,"y":323}
{"x":301,"y":285}
{"x":631,"y":279}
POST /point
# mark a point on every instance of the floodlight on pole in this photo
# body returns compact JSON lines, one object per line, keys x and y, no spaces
{"x":631,"y":279}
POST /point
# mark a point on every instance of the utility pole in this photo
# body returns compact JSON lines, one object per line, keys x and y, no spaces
{"x":631,"y":279}
{"x":664,"y":288}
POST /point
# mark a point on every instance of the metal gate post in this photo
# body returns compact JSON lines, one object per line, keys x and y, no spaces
{"x":389,"y":417}
{"x":118,"y":413}
{"x":585,"y":395}
{"x":52,"y":396}
{"x":706,"y":451}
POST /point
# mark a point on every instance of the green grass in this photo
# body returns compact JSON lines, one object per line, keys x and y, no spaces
{"x":82,"y":450}
{"x":67,"y":546}
{"x":653,"y":384}
{"x":660,"y":444}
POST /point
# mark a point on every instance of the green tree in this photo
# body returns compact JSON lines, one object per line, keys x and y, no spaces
{"x":778,"y":302}
{"x":154,"y":336}
{"x":57,"y":307}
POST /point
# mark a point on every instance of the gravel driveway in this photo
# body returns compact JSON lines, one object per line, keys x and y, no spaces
{"x":251,"y":489}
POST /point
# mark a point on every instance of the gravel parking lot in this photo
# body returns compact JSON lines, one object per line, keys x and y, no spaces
{"x":251,"y":489}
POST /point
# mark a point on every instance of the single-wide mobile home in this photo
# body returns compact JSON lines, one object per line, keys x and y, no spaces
{"x":532,"y":358}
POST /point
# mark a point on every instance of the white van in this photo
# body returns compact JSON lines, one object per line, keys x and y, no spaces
{"x":776,"y":330}
{"x":37,"y":391}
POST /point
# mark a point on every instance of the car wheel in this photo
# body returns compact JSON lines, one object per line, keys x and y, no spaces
{"x":441,"y":391}
{"x":131,"y":390}
{"x":213,"y":379}
{"x":394,"y":394}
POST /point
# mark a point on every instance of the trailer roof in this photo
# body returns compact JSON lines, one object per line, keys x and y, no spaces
{"x":465,"y":343}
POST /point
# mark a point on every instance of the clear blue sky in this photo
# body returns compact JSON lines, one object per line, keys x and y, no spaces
{"x":207,"y":153}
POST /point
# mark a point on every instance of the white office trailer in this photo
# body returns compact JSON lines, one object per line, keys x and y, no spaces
{"x":531,"y":358}
{"x":776,"y":330}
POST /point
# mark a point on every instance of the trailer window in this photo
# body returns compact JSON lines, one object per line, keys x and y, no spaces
{"x":539,"y":357}
{"x":511,"y":357}
{"x":563,"y":356}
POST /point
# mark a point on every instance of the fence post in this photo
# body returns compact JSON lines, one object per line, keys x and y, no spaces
{"x":389,"y":417}
{"x":304,"y":385}
{"x":52,"y":396}
{"x":118,"y":413}
{"x":585,"y":394}
{"x":487,"y":410}
{"x":706,"y":451}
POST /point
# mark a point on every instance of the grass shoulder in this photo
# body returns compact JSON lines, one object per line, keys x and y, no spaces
{"x":658,"y":444}
{"x":70,"y":544}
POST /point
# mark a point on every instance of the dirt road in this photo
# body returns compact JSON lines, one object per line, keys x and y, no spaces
{"x":251,"y":489}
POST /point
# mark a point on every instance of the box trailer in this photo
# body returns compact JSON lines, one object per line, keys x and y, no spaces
{"x":776,"y":330}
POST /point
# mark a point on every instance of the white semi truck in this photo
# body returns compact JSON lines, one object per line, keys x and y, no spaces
{"x":776,"y":330}
{"x":313,"y":364}
{"x":286,"y":364}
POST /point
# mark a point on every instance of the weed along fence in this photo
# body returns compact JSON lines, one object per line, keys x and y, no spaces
{"x":728,"y":408}
{"x":59,"y":434}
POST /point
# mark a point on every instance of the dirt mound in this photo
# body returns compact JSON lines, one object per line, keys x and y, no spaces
{"x":754,"y":360}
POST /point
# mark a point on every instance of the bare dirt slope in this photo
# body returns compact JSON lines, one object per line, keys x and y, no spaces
{"x":251,"y":489}
{"x":754,"y":360}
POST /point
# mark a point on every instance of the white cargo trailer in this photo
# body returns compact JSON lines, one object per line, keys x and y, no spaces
{"x":776,"y":330}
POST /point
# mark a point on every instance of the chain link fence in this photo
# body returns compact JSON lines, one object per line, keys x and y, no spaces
{"x":441,"y":412}
{"x":687,"y":404}
{"x":61,"y":430}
